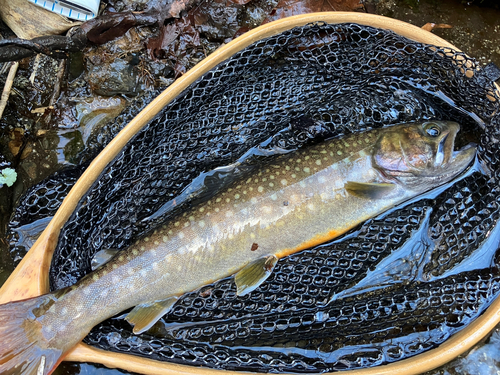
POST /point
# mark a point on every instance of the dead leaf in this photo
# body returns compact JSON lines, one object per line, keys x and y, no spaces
{"x":175,"y":42}
{"x":431,"y":26}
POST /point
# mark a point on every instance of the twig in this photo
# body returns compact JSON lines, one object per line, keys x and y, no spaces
{"x":36,"y":64}
{"x":8,"y":86}
{"x":57,"y":88}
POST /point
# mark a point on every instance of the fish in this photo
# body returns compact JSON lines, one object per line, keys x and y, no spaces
{"x":298,"y":200}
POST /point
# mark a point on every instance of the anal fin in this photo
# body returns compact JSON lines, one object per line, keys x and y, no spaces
{"x":252,"y":275}
{"x":145,"y":315}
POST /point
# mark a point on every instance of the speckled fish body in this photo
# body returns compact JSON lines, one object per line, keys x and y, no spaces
{"x":302,"y":199}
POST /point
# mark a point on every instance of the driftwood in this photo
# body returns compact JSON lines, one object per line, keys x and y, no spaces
{"x":8,"y":86}
{"x":98,"y":31}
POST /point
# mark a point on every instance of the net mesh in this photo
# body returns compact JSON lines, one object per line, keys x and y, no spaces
{"x":280,"y":93}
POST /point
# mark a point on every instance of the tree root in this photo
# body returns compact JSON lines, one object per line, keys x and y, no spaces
{"x":98,"y":30}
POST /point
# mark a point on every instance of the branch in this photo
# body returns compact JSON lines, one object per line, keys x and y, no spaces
{"x":98,"y":30}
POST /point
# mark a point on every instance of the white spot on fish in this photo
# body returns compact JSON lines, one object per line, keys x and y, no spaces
{"x":186,"y":224}
{"x":177,"y":224}
{"x":260,"y":189}
{"x":339,"y":152}
{"x":294,"y":175}
{"x":181,"y":235}
{"x":230,"y":236}
{"x":130,"y":271}
{"x":228,"y":200}
{"x":202,"y":209}
{"x":237,"y":196}
{"x":157,"y":243}
{"x":201,"y":224}
{"x":146,"y":239}
{"x":274,"y":197}
{"x":217,"y":209}
{"x":307,"y":169}
{"x":271,"y":184}
{"x":135,"y":252}
{"x":229,"y":213}
{"x":287,"y":168}
{"x":254,"y":200}
{"x":284,"y":182}
{"x":165,"y":238}
{"x":318,"y":162}
{"x":218,"y":200}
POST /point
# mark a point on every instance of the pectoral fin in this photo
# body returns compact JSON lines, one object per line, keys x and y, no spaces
{"x":102,"y":257}
{"x":254,"y":274}
{"x":368,"y":190}
{"x":143,"y":316}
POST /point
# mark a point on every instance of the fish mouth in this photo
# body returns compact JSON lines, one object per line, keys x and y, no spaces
{"x":445,"y":152}
{"x":454,"y":162}
{"x":459,"y":160}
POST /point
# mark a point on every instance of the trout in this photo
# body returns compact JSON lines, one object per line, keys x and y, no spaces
{"x":300,"y":200}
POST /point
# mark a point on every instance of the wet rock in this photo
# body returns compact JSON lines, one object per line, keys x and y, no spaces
{"x":109,"y":75}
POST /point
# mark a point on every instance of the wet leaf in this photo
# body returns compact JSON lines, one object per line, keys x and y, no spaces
{"x":431,"y":26}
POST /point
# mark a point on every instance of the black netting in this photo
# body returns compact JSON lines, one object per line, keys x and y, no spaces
{"x":280,"y":93}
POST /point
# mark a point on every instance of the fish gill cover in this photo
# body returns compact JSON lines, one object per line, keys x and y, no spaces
{"x":398,"y":285}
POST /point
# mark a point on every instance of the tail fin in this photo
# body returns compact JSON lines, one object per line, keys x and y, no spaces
{"x":23,"y":349}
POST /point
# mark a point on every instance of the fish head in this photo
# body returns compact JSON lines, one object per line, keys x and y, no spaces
{"x":421,"y":156}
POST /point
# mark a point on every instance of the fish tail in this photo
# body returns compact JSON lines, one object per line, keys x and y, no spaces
{"x":23,"y":347}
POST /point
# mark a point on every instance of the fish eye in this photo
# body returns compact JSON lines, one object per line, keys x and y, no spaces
{"x":432,"y":130}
